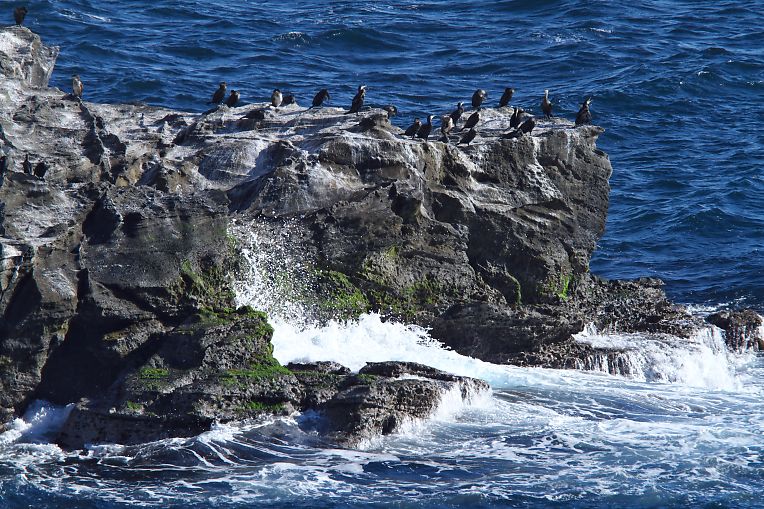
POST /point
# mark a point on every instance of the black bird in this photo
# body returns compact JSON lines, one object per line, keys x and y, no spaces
{"x":357,"y":104}
{"x":40,"y":170}
{"x":458,"y":112}
{"x":506,"y":97}
{"x":19,"y":13}
{"x":413,"y":128}
{"x":233,"y":99}
{"x":219,"y":94}
{"x":527,"y":126}
{"x":26,"y":165}
{"x":546,"y":106}
{"x":424,"y":131}
{"x":478,"y":97}
{"x":391,"y":110}
{"x":471,"y":121}
{"x":516,"y":117}
{"x":468,"y":137}
{"x":321,"y":96}
{"x":289,"y":99}
{"x":584,"y":115}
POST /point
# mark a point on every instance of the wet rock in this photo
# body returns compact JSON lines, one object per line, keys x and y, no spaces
{"x":742,"y":329}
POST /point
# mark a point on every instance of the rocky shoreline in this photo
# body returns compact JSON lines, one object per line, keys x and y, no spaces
{"x":119,"y":265}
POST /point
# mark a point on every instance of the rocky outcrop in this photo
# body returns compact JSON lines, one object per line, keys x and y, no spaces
{"x":743,"y":329}
{"x":118,"y":255}
{"x":218,"y":367}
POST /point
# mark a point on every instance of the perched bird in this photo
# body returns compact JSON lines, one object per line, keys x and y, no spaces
{"x":40,"y":170}
{"x":413,"y":129}
{"x":19,"y":13}
{"x":468,"y":137}
{"x":458,"y":112}
{"x":289,"y":99}
{"x":446,"y":126}
{"x":233,"y":99}
{"x":424,"y":131}
{"x":391,"y":110}
{"x":26,"y":165}
{"x":584,"y":115}
{"x":471,"y":121}
{"x":276,"y":98}
{"x":546,"y":106}
{"x":357,"y":104}
{"x":506,"y":97}
{"x":321,"y":96}
{"x":77,"y":86}
{"x":478,"y":97}
{"x":527,"y":126}
{"x":219,"y":94}
{"x":516,"y":118}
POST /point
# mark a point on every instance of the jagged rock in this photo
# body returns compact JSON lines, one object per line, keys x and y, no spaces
{"x":742,"y":329}
{"x":111,"y":263}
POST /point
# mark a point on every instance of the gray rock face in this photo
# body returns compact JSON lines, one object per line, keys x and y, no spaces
{"x":117,"y":265}
{"x":743,"y":329}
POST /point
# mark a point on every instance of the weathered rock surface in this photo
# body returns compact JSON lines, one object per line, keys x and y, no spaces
{"x":743,"y":329}
{"x":117,"y":265}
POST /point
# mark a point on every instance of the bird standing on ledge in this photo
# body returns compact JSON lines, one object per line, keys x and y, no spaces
{"x":77,"y":86}
{"x":458,"y":112}
{"x":321,"y":96}
{"x":546,"y":106}
{"x":424,"y":131}
{"x":506,"y":97}
{"x":219,"y":94}
{"x":357,"y":104}
{"x":414,"y":128}
{"x":276,"y":98}
{"x":233,"y":99}
{"x":478,"y":97}
{"x":584,"y":115}
{"x":19,"y":13}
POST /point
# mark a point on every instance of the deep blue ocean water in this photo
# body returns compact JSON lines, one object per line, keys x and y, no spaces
{"x":678,"y":86}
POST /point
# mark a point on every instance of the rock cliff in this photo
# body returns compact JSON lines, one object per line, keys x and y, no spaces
{"x":118,"y":256}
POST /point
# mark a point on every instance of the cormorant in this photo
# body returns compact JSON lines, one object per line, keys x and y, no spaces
{"x":506,"y":97}
{"x":527,"y":126}
{"x":468,"y":137}
{"x":516,"y":117}
{"x":471,"y":121}
{"x":77,"y":86}
{"x":357,"y":104}
{"x":40,"y":170}
{"x":391,"y":110}
{"x":233,"y":99}
{"x":26,"y":165}
{"x":276,"y":98}
{"x":584,"y":115}
{"x":289,"y":99}
{"x":446,"y":126}
{"x":219,"y":94}
{"x":478,"y":97}
{"x":424,"y":131}
{"x":413,"y":129}
{"x":546,"y":106}
{"x":321,"y":96}
{"x":457,"y":113}
{"x":19,"y":13}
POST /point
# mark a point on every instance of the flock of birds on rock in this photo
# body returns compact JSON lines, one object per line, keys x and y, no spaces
{"x":520,"y":123}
